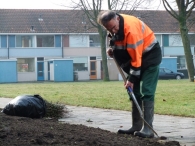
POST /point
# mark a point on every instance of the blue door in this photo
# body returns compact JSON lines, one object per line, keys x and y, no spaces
{"x":40,"y":71}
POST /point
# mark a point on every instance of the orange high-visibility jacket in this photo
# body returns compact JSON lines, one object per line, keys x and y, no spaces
{"x":137,"y":40}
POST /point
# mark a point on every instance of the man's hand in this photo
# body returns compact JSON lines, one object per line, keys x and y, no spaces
{"x":110,"y":52}
{"x":128,"y":84}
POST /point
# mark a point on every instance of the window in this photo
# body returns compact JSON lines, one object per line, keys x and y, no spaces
{"x":45,"y":41}
{"x":181,"y":62}
{"x":175,"y":40}
{"x":40,"y":58}
{"x":24,"y":41}
{"x":167,"y":70}
{"x":94,"y":41}
{"x":80,"y":63}
{"x":161,"y":70}
{"x":25,"y":64}
{"x":92,"y":58}
{"x":158,"y":37}
{"x":192,"y":39}
{"x":78,"y":41}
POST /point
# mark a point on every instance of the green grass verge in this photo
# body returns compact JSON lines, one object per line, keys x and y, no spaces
{"x":173,"y":97}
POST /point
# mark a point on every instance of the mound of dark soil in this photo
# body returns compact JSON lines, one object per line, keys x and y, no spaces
{"x":22,"y":131}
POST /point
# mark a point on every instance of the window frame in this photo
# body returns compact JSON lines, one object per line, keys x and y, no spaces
{"x":23,"y":65}
{"x":42,"y":44}
{"x":31,"y":39}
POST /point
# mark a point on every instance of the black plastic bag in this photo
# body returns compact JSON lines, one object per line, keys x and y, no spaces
{"x":32,"y":106}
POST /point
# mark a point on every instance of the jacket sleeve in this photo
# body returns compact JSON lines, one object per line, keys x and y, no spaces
{"x":134,"y":48}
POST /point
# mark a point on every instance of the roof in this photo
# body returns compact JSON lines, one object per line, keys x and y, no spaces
{"x":71,"y":21}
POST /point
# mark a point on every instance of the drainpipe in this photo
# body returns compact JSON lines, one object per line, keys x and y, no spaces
{"x":8,"y":46}
{"x":62,"y":43}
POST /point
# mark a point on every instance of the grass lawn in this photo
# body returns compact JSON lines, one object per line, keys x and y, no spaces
{"x":173,"y":97}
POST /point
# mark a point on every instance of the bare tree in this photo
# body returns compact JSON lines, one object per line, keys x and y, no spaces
{"x":182,"y":13}
{"x":91,"y":9}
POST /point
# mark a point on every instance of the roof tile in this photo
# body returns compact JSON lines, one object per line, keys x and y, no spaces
{"x":70,"y":21}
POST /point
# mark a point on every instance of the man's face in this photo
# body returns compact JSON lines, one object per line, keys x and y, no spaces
{"x":113,"y":25}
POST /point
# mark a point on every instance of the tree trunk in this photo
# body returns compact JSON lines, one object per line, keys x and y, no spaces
{"x":187,"y":50}
{"x":103,"y":35}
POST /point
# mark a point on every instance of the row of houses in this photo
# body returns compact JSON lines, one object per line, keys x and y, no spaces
{"x":54,"y":45}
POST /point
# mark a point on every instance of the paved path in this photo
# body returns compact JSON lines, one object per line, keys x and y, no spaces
{"x":175,"y":128}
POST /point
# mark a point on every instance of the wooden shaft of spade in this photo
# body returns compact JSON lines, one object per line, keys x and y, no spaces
{"x":132,"y":96}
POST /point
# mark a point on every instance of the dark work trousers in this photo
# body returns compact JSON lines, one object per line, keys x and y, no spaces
{"x":146,"y":87}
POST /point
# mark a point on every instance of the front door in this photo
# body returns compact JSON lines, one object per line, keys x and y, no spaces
{"x":93,"y":72}
{"x":40,"y":71}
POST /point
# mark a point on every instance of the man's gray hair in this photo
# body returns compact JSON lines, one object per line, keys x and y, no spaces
{"x":105,"y":16}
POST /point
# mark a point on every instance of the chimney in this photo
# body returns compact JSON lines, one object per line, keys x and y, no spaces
{"x":40,"y":18}
{"x":32,"y":28}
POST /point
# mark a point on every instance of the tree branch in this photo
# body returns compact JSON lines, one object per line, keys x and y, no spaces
{"x":188,"y":12}
{"x":171,"y":11}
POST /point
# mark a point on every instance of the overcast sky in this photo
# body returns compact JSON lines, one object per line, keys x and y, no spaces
{"x":32,"y":4}
{"x":40,"y":4}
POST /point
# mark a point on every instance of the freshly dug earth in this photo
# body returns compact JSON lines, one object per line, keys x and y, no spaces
{"x":22,"y":131}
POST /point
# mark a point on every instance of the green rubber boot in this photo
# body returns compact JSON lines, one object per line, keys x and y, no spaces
{"x":136,"y":120}
{"x":146,"y":132}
